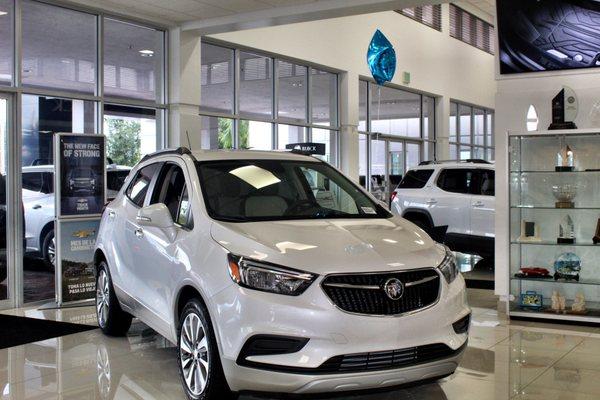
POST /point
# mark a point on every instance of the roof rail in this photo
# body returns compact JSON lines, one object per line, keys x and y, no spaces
{"x":468,"y":160}
{"x":179,"y":151}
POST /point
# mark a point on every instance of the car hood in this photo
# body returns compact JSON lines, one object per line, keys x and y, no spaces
{"x":332,"y":246}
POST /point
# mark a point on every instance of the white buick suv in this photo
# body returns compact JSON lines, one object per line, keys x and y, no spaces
{"x":273,"y":272}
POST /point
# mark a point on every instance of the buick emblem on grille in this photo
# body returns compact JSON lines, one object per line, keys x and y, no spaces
{"x":393,"y":288}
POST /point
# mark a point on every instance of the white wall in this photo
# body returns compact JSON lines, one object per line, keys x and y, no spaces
{"x":439,"y":65}
{"x":514,"y":96}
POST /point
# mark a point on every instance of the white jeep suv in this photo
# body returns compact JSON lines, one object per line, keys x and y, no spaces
{"x":274,"y":272}
{"x":452,"y":196}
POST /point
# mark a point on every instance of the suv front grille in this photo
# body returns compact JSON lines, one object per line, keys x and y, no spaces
{"x":365,"y":294}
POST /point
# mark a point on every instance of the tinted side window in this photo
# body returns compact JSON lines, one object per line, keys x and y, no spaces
{"x":48,"y":182}
{"x":486,"y":186}
{"x":415,"y":179}
{"x":171,"y":190}
{"x":115,"y":179}
{"x":139,"y":186}
{"x":32,"y":181}
{"x":456,"y":180}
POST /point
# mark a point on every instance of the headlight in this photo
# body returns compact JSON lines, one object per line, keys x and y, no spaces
{"x":268,"y":278}
{"x":448,"y":267}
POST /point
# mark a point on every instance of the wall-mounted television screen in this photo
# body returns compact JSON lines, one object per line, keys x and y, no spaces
{"x":548,"y":35}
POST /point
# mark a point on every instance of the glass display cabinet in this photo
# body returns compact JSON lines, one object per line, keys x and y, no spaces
{"x":554,"y":183}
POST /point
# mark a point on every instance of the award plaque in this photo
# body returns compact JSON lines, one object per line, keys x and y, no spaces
{"x":564,"y":110}
{"x":530,"y":232}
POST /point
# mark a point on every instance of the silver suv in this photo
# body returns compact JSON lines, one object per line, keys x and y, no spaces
{"x":451,"y":200}
{"x":274,"y":272}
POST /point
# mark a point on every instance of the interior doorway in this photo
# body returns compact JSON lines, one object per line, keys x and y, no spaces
{"x":390,"y":159}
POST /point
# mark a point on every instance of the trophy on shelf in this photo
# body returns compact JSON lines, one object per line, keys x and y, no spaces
{"x":565,"y":160}
{"x":578,"y":306}
{"x":565,"y":194}
{"x":530,"y":232}
{"x":564,"y":109}
{"x":567,"y":266}
{"x":566,"y":231}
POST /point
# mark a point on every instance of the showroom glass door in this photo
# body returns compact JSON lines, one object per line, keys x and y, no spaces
{"x":396,"y":163}
{"x":6,"y":270}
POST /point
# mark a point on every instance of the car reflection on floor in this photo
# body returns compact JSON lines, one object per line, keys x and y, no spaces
{"x":142,"y":366}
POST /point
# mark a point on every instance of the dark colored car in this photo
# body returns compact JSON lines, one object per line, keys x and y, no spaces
{"x":82,"y":180}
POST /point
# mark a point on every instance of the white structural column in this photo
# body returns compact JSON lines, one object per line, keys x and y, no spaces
{"x":184,"y":67}
{"x":442,"y":131}
{"x":349,"y":103}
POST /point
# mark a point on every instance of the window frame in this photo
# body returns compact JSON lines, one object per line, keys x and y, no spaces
{"x":423,"y":140}
{"x":442,"y":175}
{"x":417,"y":15}
{"x":456,"y":31}
{"x":275,"y":119}
{"x":488,"y":146}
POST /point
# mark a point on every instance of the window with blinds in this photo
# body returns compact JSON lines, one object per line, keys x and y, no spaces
{"x":430,"y":15}
{"x":470,"y":29}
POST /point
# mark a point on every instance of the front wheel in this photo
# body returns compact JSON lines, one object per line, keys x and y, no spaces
{"x":49,"y":249}
{"x":111,"y":318}
{"x":199,"y":361}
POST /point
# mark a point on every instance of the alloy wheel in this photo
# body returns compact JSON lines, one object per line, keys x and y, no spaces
{"x":193,"y":353}
{"x":102,"y":298}
{"x":52,"y":251}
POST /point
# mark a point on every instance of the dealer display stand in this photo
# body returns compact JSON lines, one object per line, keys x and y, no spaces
{"x":554,"y":182}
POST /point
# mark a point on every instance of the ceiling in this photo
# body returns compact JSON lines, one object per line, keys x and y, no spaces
{"x":486,"y":6}
{"x":173,"y":12}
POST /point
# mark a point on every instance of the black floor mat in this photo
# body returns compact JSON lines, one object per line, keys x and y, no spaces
{"x":20,"y":330}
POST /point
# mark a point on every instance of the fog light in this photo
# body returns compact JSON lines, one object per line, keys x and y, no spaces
{"x":462,"y":325}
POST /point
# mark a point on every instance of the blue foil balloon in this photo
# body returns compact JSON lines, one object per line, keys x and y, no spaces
{"x":381,"y":58}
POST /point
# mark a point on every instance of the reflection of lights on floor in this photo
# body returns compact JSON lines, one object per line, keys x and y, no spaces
{"x":466,"y":262}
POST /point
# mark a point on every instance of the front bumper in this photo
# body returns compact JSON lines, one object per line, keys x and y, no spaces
{"x":242,"y":378}
{"x":242,"y":313}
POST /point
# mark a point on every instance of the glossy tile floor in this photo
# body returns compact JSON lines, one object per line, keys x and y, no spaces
{"x":504,"y":360}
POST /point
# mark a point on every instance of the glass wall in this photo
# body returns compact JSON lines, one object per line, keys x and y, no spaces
{"x":64,"y":87}
{"x":267,"y":103}
{"x":3,"y":206}
{"x":399,"y":128}
{"x":471,"y":132}
{"x":6,"y":41}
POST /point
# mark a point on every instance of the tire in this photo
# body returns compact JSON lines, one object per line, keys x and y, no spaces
{"x":198,"y":356}
{"x":49,"y":250}
{"x":111,"y":318}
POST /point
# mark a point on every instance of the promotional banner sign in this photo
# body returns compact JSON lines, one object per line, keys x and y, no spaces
{"x":79,"y":174}
{"x":76,"y":239}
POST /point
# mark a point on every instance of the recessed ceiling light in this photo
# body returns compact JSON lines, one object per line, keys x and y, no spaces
{"x":147,"y":53}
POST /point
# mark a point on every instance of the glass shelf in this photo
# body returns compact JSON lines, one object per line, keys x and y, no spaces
{"x":560,"y":282}
{"x":577,"y":244}
{"x":554,"y":172}
{"x":534,"y":186}
{"x":524,"y":207}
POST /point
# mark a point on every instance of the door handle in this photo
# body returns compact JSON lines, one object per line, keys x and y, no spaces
{"x":431,"y":201}
{"x":478,"y":204}
{"x":37,"y":206}
{"x":139,"y":233}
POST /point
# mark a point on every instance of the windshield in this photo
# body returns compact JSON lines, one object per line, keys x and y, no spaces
{"x":262,"y":190}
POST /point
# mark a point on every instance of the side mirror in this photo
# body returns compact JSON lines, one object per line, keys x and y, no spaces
{"x":158,"y":216}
